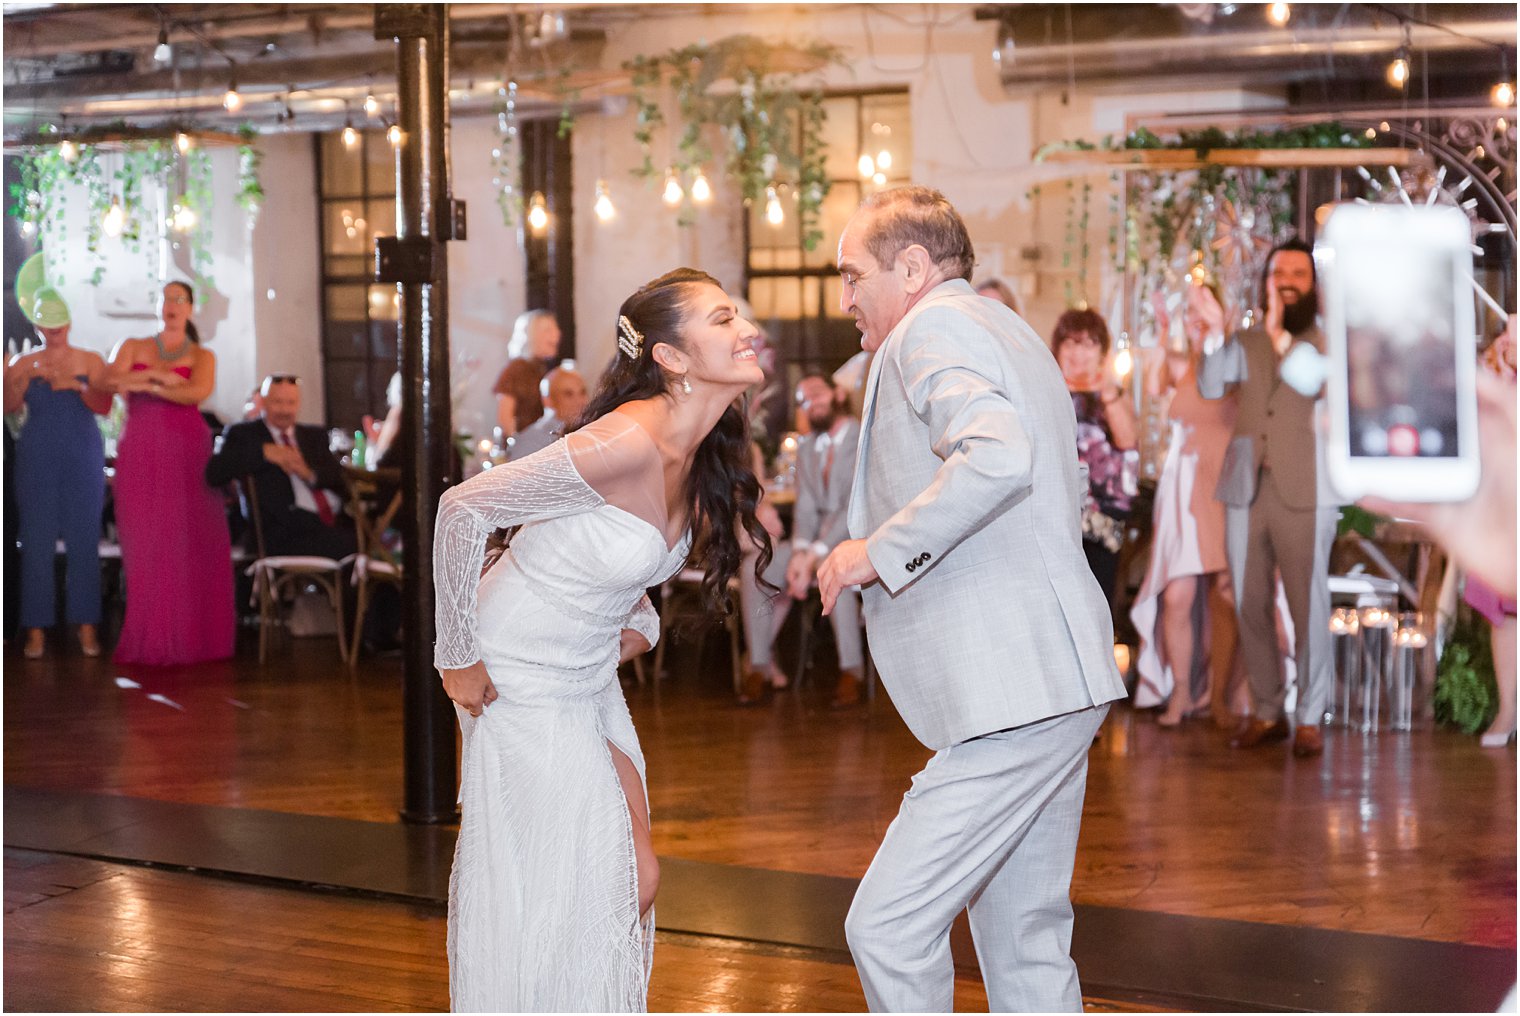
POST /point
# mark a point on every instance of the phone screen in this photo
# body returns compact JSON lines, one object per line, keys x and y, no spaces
{"x":1401,"y":343}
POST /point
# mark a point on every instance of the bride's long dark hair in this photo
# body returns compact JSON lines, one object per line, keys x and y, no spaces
{"x":721,"y":490}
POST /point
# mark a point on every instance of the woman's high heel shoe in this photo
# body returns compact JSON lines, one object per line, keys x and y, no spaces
{"x":1497,"y":738}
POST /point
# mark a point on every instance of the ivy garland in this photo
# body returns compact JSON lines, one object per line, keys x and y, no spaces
{"x":111,"y":170}
{"x":774,"y":128}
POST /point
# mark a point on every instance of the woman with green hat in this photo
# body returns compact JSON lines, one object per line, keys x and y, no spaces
{"x":60,"y":467}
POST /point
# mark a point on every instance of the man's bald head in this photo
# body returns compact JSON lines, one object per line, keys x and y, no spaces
{"x":564,"y":392}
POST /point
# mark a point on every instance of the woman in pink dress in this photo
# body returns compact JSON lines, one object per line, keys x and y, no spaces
{"x":1188,"y":550}
{"x":175,"y":547}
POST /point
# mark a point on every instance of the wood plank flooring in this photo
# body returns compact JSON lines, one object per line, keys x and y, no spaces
{"x":1401,"y":834}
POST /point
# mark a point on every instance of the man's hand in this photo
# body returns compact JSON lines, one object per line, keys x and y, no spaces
{"x":470,"y":687}
{"x":799,"y":573}
{"x":290,"y":460}
{"x":1273,"y":322}
{"x":848,"y":565}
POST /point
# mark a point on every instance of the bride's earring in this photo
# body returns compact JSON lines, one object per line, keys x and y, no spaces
{"x":685,"y":385}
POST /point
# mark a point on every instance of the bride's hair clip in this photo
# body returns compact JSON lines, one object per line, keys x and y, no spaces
{"x":630,"y":340}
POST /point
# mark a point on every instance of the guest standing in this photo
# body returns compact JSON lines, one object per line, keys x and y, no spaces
{"x":1187,"y":549}
{"x":60,"y":473}
{"x":532,"y":350}
{"x":1280,"y":511}
{"x":175,"y":547}
{"x":1106,"y":429}
{"x":1497,"y":610}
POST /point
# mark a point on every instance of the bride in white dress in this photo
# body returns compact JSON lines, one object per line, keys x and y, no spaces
{"x":552,"y":892}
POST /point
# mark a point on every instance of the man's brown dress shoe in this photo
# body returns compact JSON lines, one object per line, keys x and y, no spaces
{"x":752,"y":688}
{"x":1258,"y":732}
{"x":1308,"y":742}
{"x":847,"y":691}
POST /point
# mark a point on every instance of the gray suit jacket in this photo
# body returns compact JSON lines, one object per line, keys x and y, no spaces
{"x":1274,"y":424}
{"x":968,"y":494}
{"x":821,"y":517}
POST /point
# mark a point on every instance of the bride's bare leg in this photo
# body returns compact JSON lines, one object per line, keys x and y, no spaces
{"x":638,"y":813}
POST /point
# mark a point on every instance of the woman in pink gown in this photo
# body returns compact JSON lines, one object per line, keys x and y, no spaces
{"x":175,"y":547}
{"x":1188,"y":550}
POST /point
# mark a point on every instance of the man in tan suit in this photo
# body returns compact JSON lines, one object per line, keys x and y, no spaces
{"x":987,"y":627}
{"x":1280,"y":511}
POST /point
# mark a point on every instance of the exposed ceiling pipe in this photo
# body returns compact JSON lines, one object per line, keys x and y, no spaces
{"x":1252,"y":56}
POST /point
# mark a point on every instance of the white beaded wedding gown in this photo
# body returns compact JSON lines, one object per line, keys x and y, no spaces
{"x":543,"y":899}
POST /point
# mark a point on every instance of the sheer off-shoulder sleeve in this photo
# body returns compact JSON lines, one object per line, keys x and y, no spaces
{"x":646,"y":621}
{"x":542,"y":486}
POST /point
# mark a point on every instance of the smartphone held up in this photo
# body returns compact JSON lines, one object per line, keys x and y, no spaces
{"x":1400,"y":339}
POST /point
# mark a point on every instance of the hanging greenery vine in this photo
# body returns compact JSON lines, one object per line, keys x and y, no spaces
{"x":137,"y":185}
{"x":772,"y":124}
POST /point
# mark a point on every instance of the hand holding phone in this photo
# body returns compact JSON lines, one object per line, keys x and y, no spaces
{"x":1399,"y":330}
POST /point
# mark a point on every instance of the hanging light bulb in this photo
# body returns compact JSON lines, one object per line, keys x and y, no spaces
{"x":115,"y":219}
{"x":1124,"y":360}
{"x":184,"y":218}
{"x":701,"y":190}
{"x":163,"y":53}
{"x":232,"y":101}
{"x":1278,"y":14}
{"x":538,"y":212}
{"x":371,"y":105}
{"x":1398,"y":69}
{"x":673,"y":192}
{"x":350,"y":136}
{"x":68,"y":151}
{"x":880,"y":179}
{"x":773,"y":212}
{"x":883,"y":159}
{"x":28,"y":228}
{"x":866,"y":166}
{"x":1503,"y":94}
{"x":183,"y":142}
{"x":603,"y":207}
{"x":393,"y":135}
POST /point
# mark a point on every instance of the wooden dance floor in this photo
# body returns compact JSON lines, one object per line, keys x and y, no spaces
{"x":225,"y":837}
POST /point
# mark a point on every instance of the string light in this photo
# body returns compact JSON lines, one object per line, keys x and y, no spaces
{"x":184,"y":217}
{"x":68,"y":151}
{"x":1398,"y":69}
{"x":673,"y":192}
{"x":163,"y":53}
{"x":393,"y":135}
{"x":1503,"y":95}
{"x":866,"y":166}
{"x":183,"y":142}
{"x":371,"y":105}
{"x":115,"y":219}
{"x":232,"y":101}
{"x":773,"y":211}
{"x":701,"y":190}
{"x":603,"y":207}
{"x":538,"y":212}
{"x":350,"y":136}
{"x":1278,"y":14}
{"x":884,"y":159}
{"x":880,"y":179}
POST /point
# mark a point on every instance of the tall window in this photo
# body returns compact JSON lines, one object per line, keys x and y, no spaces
{"x":795,"y":292}
{"x":359,"y":318}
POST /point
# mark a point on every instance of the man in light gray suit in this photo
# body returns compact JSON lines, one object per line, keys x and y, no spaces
{"x":1280,"y":510}
{"x":988,"y":629}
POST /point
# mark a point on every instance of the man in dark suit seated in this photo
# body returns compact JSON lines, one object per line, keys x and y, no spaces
{"x":296,"y":478}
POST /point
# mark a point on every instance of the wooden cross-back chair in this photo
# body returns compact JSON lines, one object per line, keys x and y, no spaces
{"x":276,"y":576}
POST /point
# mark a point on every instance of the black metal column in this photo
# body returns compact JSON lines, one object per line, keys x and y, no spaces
{"x":417,"y":261}
{"x":550,"y":255}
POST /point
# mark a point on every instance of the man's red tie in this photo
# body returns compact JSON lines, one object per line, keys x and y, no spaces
{"x":324,"y":510}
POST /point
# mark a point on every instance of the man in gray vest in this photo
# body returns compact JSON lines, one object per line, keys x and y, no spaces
{"x":988,"y":629}
{"x":1280,"y":511}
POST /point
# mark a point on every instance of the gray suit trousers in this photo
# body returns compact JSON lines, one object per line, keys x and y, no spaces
{"x":1264,"y":541}
{"x":990,"y":823}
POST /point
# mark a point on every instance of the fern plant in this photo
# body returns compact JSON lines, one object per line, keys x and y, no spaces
{"x":1466,"y":695}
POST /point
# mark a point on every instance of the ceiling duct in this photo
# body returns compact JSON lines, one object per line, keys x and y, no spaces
{"x":1041,"y":44}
